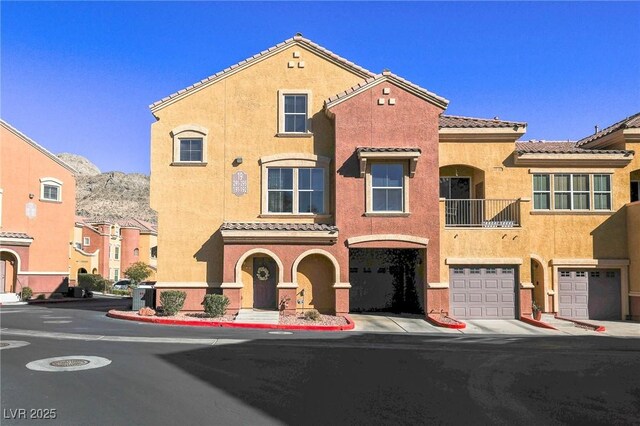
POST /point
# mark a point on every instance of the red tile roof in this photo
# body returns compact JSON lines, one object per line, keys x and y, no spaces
{"x":20,"y":235}
{"x":633,"y":121}
{"x":561,"y":147}
{"x":456,"y":121}
{"x":264,"y":226}
{"x":390,"y":149}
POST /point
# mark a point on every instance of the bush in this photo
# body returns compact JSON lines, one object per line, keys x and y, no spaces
{"x":138,"y":272}
{"x":312,"y":315}
{"x":121,"y":292}
{"x":93,"y":282}
{"x":26,"y":293}
{"x":215,"y":305}
{"x":41,"y":297}
{"x":172,"y":301}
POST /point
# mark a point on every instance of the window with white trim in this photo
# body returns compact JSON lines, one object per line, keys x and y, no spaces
{"x":387,"y":187}
{"x":294,"y":184}
{"x":287,"y":184}
{"x":189,"y":145}
{"x":293,"y":108}
{"x":86,"y":241}
{"x":50,"y":189}
{"x":571,"y":191}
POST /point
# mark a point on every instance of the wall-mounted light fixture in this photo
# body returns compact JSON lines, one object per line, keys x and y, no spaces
{"x":31,"y":196}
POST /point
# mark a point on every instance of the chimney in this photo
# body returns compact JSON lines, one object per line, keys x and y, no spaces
{"x":597,"y":129}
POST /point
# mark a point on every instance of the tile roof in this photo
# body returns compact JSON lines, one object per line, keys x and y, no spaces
{"x":128,"y":223}
{"x":633,"y":121}
{"x":37,"y":146}
{"x":20,"y":235}
{"x":386,"y":76}
{"x":390,"y":149}
{"x":264,"y":226}
{"x":561,"y":147}
{"x":456,"y":121}
{"x":297,"y":39}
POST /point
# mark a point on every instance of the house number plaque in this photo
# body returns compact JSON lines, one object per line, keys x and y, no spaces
{"x":239,"y":183}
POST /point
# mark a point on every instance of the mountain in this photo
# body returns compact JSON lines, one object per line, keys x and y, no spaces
{"x":111,"y":195}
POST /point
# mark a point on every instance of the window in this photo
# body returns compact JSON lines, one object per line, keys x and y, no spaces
{"x":154,"y":252}
{"x":595,"y":274}
{"x":50,"y":189}
{"x":541,"y":192}
{"x":458,"y":271}
{"x":571,"y":191}
{"x":79,"y":246}
{"x":387,"y":187}
{"x":191,"y":149}
{"x":581,"y":274}
{"x":282,"y":190}
{"x":474,"y":270}
{"x":189,"y":145}
{"x":491,"y":271}
{"x":602,"y":192}
{"x":116,"y":253}
{"x":294,"y":184}
{"x":565,"y":273}
{"x":294,"y":112}
{"x":86,"y":241}
{"x":611,"y":274}
{"x":116,"y":274}
{"x":136,"y":252}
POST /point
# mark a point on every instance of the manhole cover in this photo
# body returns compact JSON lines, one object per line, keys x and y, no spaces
{"x":11,"y":344}
{"x":69,"y":363}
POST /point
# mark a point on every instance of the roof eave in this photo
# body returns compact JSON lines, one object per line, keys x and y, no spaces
{"x":259,"y":57}
{"x":473,"y":134}
{"x":573,"y":159}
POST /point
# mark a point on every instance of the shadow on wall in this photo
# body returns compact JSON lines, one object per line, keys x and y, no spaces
{"x":610,"y":237}
{"x":211,"y":253}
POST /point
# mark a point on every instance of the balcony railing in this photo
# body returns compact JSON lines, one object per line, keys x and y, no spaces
{"x":482,"y":213}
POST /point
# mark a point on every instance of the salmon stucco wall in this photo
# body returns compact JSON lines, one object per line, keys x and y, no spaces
{"x":633,"y":233}
{"x":22,"y":166}
{"x":411,"y":122}
{"x":240,"y":113}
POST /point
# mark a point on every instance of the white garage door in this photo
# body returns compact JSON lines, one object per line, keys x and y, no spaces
{"x":589,"y":294}
{"x":485,"y":292}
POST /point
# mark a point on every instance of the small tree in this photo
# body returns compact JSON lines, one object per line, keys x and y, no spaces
{"x":138,"y":272}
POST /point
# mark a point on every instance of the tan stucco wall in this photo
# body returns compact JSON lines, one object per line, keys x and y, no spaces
{"x":544,"y":235}
{"x":240,"y":113}
{"x":316,"y":276}
{"x":21,"y":168}
{"x":633,"y":235}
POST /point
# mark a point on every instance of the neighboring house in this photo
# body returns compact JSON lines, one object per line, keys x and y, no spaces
{"x":108,"y":247}
{"x":296,"y":179}
{"x":37,"y":207}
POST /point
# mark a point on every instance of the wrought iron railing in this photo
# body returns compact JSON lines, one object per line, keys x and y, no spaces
{"x":482,"y":213}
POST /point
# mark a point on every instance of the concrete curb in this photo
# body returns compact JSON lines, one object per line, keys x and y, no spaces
{"x":594,"y":327}
{"x":66,"y":300}
{"x":537,"y":323}
{"x":166,"y":321}
{"x":458,"y":326}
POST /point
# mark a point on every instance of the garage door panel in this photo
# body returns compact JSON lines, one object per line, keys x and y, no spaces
{"x":565,"y":299}
{"x":589,"y":294}
{"x":491,"y":284}
{"x":580,"y":299}
{"x":488,"y":292}
{"x":475,"y":297}
{"x":564,"y":285}
{"x":580,"y":287}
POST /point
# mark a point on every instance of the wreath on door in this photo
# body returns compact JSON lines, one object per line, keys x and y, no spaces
{"x":262,"y":273}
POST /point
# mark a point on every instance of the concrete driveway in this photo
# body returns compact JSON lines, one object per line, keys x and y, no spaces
{"x":388,"y":323}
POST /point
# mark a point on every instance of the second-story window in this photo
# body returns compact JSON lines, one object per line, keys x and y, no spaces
{"x":311,"y":190}
{"x":50,"y":189}
{"x":280,"y":186}
{"x":189,"y":145}
{"x":387,"y":186}
{"x":295,"y":190}
{"x":571,"y":192}
{"x":295,"y":113}
{"x":116,"y":253}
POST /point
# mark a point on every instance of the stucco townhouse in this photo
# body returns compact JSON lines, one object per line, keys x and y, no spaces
{"x":296,"y":179}
{"x":37,"y":210}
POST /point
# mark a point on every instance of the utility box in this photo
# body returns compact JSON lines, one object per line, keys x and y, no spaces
{"x":142,"y":297}
{"x":75,"y":292}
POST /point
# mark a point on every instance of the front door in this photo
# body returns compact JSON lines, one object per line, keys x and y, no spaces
{"x":264,"y":283}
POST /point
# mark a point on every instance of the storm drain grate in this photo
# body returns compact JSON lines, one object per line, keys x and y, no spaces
{"x":69,"y":363}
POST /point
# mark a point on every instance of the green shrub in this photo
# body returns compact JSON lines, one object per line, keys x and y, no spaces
{"x":138,"y":272}
{"x":172,"y":301}
{"x":41,"y":297}
{"x":312,"y":315}
{"x":93,"y":282}
{"x":215,"y":305}
{"x":121,"y":292}
{"x":26,"y":293}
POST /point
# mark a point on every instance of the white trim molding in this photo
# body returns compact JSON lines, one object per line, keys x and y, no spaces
{"x":189,"y":131}
{"x":301,"y":257}
{"x":438,"y":285}
{"x":483,"y":261}
{"x":586,"y":159}
{"x":412,"y":156}
{"x":245,"y":256}
{"x":16,"y":241}
{"x":388,"y":237}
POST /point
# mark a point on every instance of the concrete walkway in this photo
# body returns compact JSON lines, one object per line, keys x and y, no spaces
{"x":252,"y":316}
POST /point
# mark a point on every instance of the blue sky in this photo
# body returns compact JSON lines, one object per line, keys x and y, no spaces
{"x":78,"y":77}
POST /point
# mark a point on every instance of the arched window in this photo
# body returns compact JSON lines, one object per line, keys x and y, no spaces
{"x":189,"y":145}
{"x":136,"y":252}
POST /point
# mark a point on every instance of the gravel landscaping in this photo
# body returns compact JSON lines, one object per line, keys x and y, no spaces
{"x":299,"y":319}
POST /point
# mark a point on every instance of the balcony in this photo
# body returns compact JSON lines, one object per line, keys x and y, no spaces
{"x":482,"y":213}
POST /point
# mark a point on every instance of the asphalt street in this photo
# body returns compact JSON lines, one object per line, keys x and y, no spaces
{"x":161,"y":375}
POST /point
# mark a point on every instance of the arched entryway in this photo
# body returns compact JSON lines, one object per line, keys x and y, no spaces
{"x":9,"y":265}
{"x":94,"y":271}
{"x":315,"y":275}
{"x":80,"y":271}
{"x":259,"y":274}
